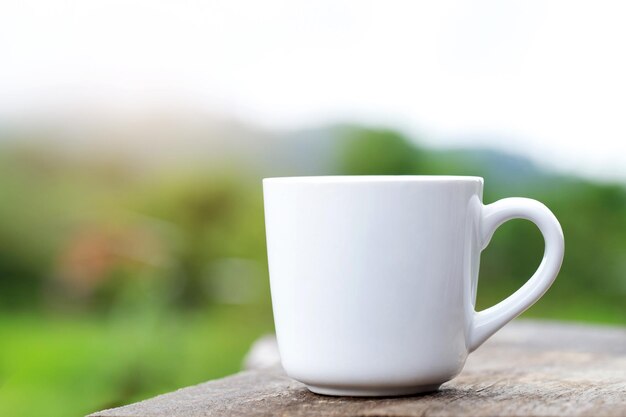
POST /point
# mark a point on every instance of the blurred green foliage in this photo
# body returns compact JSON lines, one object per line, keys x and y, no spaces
{"x":73,"y":365}
{"x":118,"y":283}
{"x":378,"y":152}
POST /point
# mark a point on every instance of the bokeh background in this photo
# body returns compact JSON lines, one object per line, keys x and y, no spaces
{"x":134,"y":135}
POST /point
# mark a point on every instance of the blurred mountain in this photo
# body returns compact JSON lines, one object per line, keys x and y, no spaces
{"x":175,"y":138}
{"x":318,"y":152}
{"x":501,"y":165}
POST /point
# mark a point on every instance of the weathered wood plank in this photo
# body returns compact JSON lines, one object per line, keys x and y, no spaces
{"x":528,"y":369}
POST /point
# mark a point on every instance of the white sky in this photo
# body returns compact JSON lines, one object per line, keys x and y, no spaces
{"x":543,"y":78}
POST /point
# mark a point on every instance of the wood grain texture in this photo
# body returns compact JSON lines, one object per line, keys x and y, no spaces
{"x":527,"y":369}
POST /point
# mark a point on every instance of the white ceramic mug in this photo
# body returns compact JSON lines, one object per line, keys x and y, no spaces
{"x":373,"y":278}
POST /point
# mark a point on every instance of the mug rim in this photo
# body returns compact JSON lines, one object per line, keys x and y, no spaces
{"x":323,"y":179}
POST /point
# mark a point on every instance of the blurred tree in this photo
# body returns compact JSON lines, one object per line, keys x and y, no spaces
{"x":203,"y":211}
{"x":175,"y":233}
{"x":378,"y":152}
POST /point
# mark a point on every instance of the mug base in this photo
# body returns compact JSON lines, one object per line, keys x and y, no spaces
{"x":373,"y":392}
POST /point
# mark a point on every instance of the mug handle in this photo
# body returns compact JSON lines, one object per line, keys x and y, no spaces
{"x":486,"y":322}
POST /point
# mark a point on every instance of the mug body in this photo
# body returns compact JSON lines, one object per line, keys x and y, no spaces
{"x":373,"y":279}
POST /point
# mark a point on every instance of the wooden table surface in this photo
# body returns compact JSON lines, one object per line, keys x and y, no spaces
{"x":529,"y":368}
